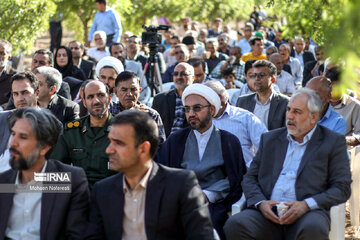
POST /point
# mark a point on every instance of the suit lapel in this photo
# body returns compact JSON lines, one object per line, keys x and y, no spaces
{"x":273,"y":106}
{"x":117,"y":196}
{"x":6,"y":202}
{"x":47,"y":203}
{"x":279,"y":156}
{"x":251,"y":102}
{"x":311,"y":147}
{"x":171,"y":103}
{"x":154,"y":193}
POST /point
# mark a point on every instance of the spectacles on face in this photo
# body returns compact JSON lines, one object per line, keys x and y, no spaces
{"x":260,"y":75}
{"x":195,"y":108}
{"x":98,"y":39}
{"x":181,"y":74}
{"x":176,"y":53}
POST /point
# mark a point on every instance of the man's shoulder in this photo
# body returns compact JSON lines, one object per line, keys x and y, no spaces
{"x":87,"y":63}
{"x":246,"y":97}
{"x":165,"y":94}
{"x":174,"y":174}
{"x":57,"y":166}
{"x":67,"y":102}
{"x":281,"y":97}
{"x":76,"y":125}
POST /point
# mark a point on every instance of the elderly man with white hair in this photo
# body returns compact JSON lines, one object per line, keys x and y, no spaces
{"x":101,"y":50}
{"x":214,"y":155}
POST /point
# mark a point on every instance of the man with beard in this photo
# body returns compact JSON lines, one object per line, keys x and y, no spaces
{"x":83,"y":141}
{"x":77,"y":50}
{"x":169,"y":105}
{"x":107,"y":69}
{"x":30,"y":214}
{"x":268,"y":105}
{"x":214,"y":155}
{"x":127,"y":89}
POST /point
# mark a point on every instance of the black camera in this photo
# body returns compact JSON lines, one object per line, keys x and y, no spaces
{"x":151,"y":36}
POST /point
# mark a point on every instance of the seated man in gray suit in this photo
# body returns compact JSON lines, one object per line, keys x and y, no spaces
{"x":146,"y":200}
{"x":305,"y":167}
{"x":268,"y":105}
{"x":27,"y":211}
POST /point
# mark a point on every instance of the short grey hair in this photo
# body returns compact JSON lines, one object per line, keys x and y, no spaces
{"x":213,"y":42}
{"x":184,"y":48}
{"x":101,"y":33}
{"x":314,"y":103}
{"x":188,"y":67}
{"x":45,"y":126}
{"x":52,"y":76}
{"x":219,"y":89}
{"x":285,"y":45}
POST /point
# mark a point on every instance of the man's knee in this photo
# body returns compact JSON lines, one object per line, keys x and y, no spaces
{"x":235,"y":226}
{"x":315,"y":225}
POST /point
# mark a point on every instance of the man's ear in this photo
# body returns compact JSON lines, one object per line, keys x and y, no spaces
{"x":44,"y":150}
{"x":212,"y":110}
{"x":52,"y":90}
{"x":273,"y":79}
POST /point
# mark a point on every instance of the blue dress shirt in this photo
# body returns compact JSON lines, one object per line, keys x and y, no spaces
{"x":109,"y":22}
{"x":333,"y":121}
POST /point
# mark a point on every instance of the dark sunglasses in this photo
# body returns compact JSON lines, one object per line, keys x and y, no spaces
{"x":181,"y":74}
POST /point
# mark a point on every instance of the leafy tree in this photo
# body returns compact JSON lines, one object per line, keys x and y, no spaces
{"x":22,"y":21}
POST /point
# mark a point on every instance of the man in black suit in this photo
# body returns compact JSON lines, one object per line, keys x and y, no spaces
{"x":299,"y":52}
{"x":314,"y":68}
{"x":31,"y":212}
{"x":268,"y":105}
{"x":49,"y":83}
{"x":305,"y":166}
{"x":146,"y":200}
{"x":88,"y":67}
{"x":169,"y":105}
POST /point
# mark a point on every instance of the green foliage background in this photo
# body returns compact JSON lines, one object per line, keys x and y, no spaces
{"x":334,"y":23}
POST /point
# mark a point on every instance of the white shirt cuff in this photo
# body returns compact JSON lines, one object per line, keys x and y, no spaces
{"x":212,"y":196}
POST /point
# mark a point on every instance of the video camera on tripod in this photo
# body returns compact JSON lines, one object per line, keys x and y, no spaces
{"x":153,"y":38}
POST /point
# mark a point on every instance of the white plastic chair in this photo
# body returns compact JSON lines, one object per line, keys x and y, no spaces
{"x":354,"y":200}
{"x":337,"y":216}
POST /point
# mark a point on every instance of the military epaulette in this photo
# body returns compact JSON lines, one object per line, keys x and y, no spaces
{"x":73,"y":124}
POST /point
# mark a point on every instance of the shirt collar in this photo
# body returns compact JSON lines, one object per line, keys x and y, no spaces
{"x":206,"y":133}
{"x":267,"y":101}
{"x":143,"y":182}
{"x":307,"y":137}
{"x":328,"y":112}
{"x":227,"y":110}
{"x":17,"y":181}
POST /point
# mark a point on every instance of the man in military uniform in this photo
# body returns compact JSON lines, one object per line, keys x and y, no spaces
{"x":83,"y":141}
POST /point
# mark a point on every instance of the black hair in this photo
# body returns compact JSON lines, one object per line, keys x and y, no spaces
{"x":144,"y":126}
{"x":124,"y":76}
{"x":34,"y":81}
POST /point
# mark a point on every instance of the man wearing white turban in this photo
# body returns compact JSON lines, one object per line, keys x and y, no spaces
{"x":214,"y":155}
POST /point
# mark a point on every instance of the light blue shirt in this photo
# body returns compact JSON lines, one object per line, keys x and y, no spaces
{"x":333,"y":121}
{"x":284,"y":189}
{"x":300,"y":58}
{"x":245,"y":46}
{"x":109,"y":22}
{"x":262,"y":110}
{"x":245,"y":126}
{"x":296,"y":70}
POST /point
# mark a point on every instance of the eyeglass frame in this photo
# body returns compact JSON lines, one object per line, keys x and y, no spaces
{"x":196,"y":108}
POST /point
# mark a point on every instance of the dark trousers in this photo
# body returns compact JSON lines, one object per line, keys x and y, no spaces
{"x":251,"y":224}
{"x":55,"y":35}
{"x":109,"y":39}
{"x":218,"y":217}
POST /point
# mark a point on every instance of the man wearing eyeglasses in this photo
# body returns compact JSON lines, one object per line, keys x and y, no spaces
{"x":169,"y":104}
{"x":214,"y":155}
{"x":268,"y":105}
{"x":182,"y":55}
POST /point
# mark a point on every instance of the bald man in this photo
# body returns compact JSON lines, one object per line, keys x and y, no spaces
{"x":328,"y":117}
